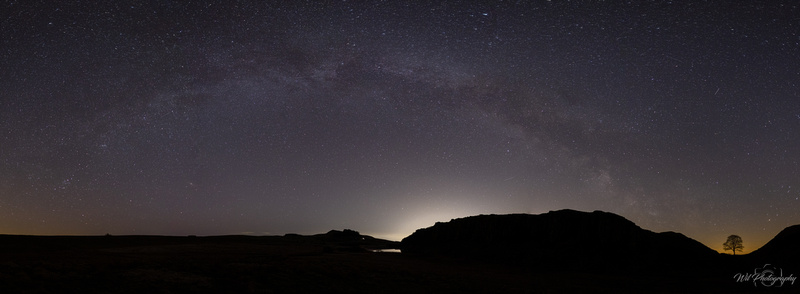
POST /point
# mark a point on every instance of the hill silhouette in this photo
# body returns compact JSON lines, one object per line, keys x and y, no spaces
{"x":558,"y":252}
{"x":783,"y":247}
{"x":564,"y":239}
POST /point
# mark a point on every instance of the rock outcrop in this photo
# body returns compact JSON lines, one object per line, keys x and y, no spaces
{"x":564,"y":239}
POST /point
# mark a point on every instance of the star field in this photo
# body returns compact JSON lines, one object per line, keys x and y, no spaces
{"x":231,"y":117}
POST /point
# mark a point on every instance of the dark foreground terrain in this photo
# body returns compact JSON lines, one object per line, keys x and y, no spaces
{"x":558,"y":252}
{"x":299,"y":264}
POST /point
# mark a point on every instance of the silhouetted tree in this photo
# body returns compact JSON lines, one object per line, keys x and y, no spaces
{"x":734,"y":243}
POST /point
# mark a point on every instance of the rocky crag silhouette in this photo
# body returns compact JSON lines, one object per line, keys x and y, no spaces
{"x":564,"y":239}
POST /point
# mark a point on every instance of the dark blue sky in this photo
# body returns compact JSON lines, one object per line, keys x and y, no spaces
{"x":228,"y":117}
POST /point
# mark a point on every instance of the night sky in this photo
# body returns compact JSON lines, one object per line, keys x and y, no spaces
{"x":265,"y":118}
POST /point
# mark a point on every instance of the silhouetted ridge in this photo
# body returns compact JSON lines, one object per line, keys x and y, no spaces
{"x":345,"y":235}
{"x":782,"y":247}
{"x":352,"y":241}
{"x":564,"y":239}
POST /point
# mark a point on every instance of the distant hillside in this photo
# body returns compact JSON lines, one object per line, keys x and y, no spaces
{"x":350,"y":240}
{"x":332,"y":241}
{"x":781,"y":248}
{"x":564,"y":239}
